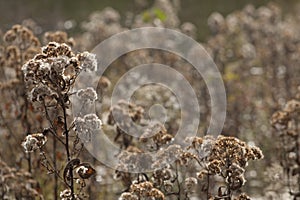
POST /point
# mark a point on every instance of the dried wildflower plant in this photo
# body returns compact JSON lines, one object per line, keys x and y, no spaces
{"x":146,"y":190}
{"x":24,"y":75}
{"x":20,"y":44}
{"x":216,"y":165}
{"x":49,"y":77}
{"x":222,"y":157}
{"x":286,"y":123}
{"x":219,"y":169}
{"x":124,"y":116}
{"x":210,"y":168}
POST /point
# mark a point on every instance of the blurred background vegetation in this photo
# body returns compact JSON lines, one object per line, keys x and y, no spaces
{"x":51,"y":15}
{"x":256,"y":48}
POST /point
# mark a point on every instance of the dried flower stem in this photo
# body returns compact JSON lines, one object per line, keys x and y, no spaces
{"x":53,"y":131}
{"x":66,"y":131}
{"x":55,"y":168}
{"x":207,"y":191}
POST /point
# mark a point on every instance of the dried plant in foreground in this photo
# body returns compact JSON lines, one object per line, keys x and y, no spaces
{"x":49,"y":78}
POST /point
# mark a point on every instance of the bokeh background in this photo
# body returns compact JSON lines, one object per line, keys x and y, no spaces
{"x":254,"y":43}
{"x":52,"y":15}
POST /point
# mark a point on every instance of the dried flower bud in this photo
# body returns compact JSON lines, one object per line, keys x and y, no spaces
{"x":216,"y":22}
{"x":104,"y":82}
{"x":87,"y":126}
{"x":88,"y":94}
{"x":292,"y":106}
{"x":59,"y":37}
{"x":34,"y":141}
{"x":156,"y":194}
{"x":85,"y":170}
{"x":168,"y":185}
{"x":202,"y":174}
{"x":214,"y":167}
{"x":196,"y":142}
{"x":9,"y":36}
{"x":242,"y":196}
{"x":40,"y":93}
{"x":190,"y":183}
{"x":66,"y":195}
{"x":54,"y":49}
{"x":88,"y":61}
{"x":257,"y":153}
{"x":21,"y":37}
{"x":128,"y":196}
{"x":280,"y":120}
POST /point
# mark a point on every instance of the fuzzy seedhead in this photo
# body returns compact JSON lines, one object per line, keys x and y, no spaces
{"x":87,"y":95}
{"x":144,"y":190}
{"x":87,"y":126}
{"x":226,"y":157}
{"x":34,"y":141}
{"x":59,"y":37}
{"x":53,"y":72}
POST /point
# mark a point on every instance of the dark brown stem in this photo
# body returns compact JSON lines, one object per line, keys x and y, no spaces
{"x":55,"y":168}
{"x":207,"y":191}
{"x":25,"y":121}
{"x":227,"y":175}
{"x":54,"y":130}
{"x":48,"y":165}
{"x":177,"y":180}
{"x":286,"y":169}
{"x":298,"y":159}
{"x":298,"y":151}
{"x":66,"y":131}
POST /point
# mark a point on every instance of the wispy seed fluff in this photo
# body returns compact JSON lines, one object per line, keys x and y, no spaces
{"x":88,"y":61}
{"x":88,"y":94}
{"x":87,"y":126}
